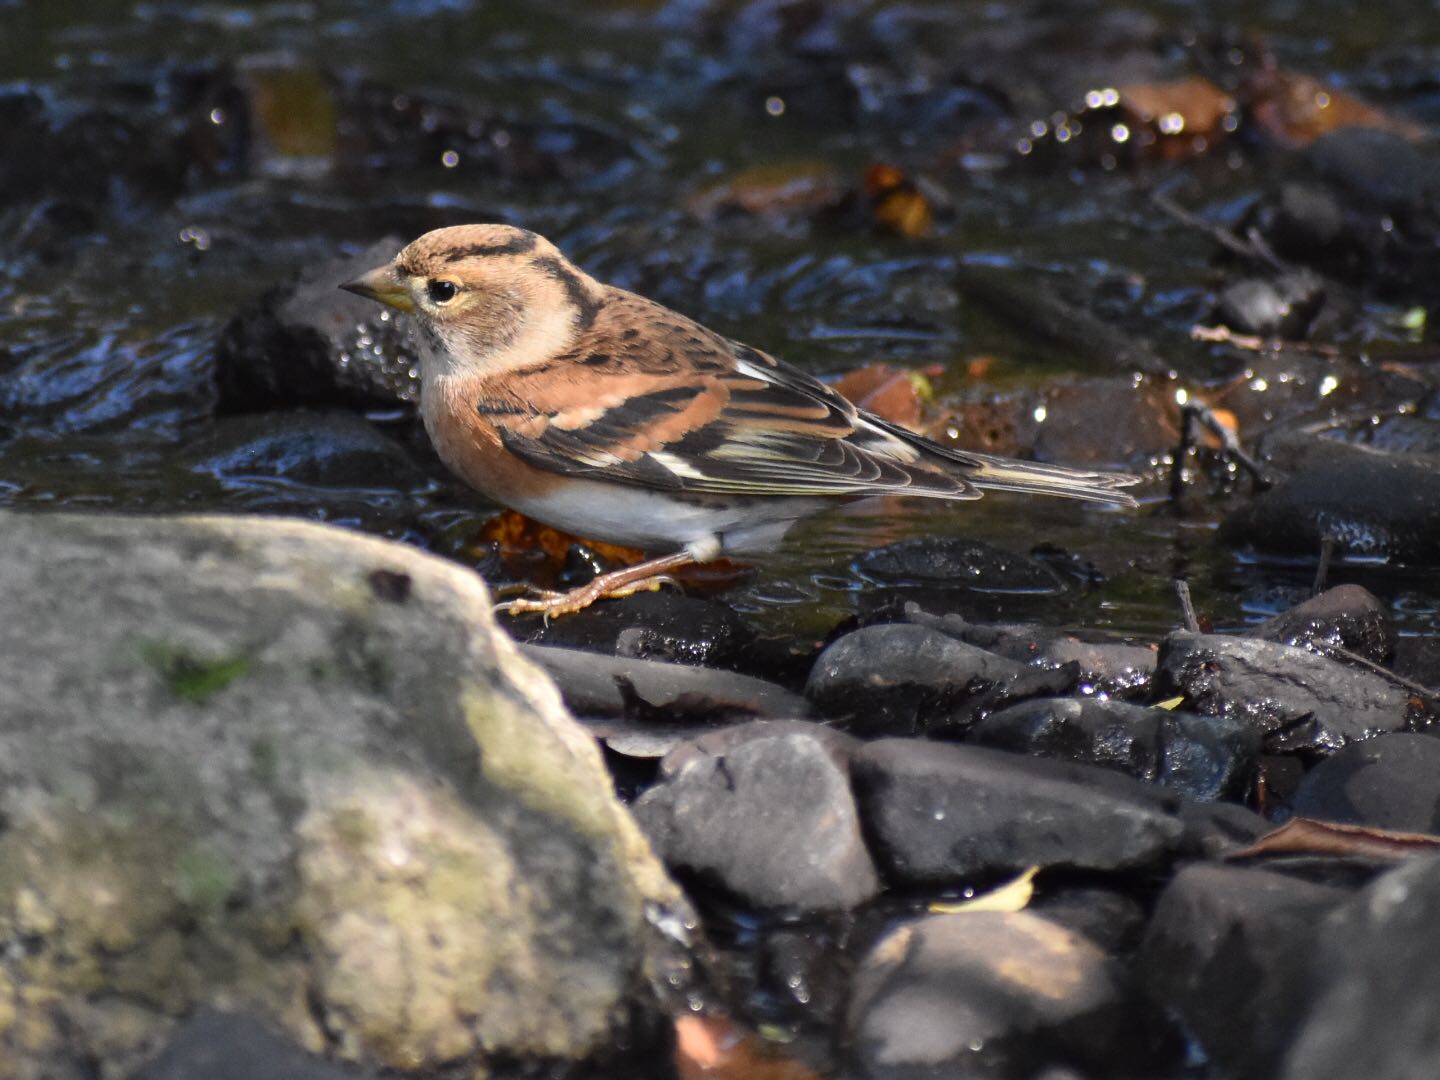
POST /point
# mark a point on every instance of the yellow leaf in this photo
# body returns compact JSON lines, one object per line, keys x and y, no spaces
{"x":1171,"y":703}
{"x":1014,"y":895}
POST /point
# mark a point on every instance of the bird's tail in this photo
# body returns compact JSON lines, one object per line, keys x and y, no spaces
{"x":1006,"y":474}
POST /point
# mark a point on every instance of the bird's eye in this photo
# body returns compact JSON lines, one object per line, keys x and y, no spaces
{"x":441,"y":292}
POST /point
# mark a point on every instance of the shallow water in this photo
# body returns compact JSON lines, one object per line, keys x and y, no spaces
{"x":109,"y":326}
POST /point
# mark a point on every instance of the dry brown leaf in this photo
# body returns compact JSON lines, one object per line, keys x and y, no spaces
{"x":1295,"y":109}
{"x":1181,"y":119}
{"x":891,"y":393}
{"x":790,"y":187}
{"x":516,"y":535}
{"x":896,"y":203}
{"x":1307,"y":836}
{"x":716,"y":1048}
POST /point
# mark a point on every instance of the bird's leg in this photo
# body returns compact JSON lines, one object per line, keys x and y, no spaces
{"x":615,"y":584}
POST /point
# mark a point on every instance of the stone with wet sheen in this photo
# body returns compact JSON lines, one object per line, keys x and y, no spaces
{"x":312,"y":344}
{"x":1347,"y":616}
{"x":900,"y":679}
{"x":1204,"y":757}
{"x":1300,"y":702}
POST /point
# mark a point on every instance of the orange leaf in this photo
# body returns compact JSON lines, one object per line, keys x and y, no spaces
{"x":516,"y":535}
{"x":886,"y":391}
{"x":896,"y":203}
{"x":715,"y":1048}
{"x":1295,"y":109}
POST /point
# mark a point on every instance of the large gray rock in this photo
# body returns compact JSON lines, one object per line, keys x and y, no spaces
{"x":277,"y":768}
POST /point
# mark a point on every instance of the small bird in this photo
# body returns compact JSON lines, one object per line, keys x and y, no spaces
{"x":597,"y":411}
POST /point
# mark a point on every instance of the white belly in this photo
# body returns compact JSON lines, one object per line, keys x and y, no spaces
{"x":651,"y":520}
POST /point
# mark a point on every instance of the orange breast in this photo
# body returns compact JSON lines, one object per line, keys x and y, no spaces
{"x":470,"y":447}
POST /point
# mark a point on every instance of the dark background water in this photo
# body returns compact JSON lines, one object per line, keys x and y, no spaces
{"x":180,"y":159}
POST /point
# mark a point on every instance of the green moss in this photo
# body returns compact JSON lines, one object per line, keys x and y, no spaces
{"x":204,"y":878}
{"x":193,"y":678}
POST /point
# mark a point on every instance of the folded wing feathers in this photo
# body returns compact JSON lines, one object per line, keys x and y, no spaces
{"x":782,"y":432}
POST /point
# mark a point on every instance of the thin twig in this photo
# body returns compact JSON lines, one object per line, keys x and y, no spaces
{"x":1229,"y":444}
{"x":1246,"y":248}
{"x":1187,"y":607}
{"x":1414,"y":687}
{"x":1177,"y":463}
{"x":1223,"y":335}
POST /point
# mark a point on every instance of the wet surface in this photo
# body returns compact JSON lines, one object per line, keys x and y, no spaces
{"x":945,"y":188}
{"x":176,"y":161}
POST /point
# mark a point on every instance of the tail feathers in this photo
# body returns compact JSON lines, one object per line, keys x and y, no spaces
{"x":1006,"y":474}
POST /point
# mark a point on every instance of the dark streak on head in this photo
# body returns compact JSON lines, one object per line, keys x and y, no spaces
{"x":586,"y":307}
{"x":519,"y":245}
{"x":597,"y":359}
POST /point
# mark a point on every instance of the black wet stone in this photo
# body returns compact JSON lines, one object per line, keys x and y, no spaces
{"x":323,"y":449}
{"x":1347,"y":615}
{"x":314,"y":344}
{"x":1390,"y":782}
{"x":771,"y":819}
{"x":943,"y":814}
{"x":662,"y":625}
{"x":1002,"y":995}
{"x":1375,"y":987}
{"x":1281,"y":307}
{"x":1367,"y":503}
{"x":1299,"y":701}
{"x":896,"y":678}
{"x":1227,"y":948}
{"x":1204,"y":757}
{"x":1108,"y":666}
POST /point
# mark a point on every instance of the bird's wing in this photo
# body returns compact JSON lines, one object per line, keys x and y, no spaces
{"x":653,"y":399}
{"x":682,"y":409}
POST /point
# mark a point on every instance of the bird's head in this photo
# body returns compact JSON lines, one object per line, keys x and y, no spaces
{"x":485,"y":295}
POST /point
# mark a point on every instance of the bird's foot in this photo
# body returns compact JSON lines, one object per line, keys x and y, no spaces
{"x":644,"y":577}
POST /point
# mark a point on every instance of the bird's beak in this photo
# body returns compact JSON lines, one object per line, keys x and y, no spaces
{"x":384,"y":285}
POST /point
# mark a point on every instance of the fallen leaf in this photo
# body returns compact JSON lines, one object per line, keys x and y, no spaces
{"x":891,"y":393}
{"x":1171,"y":703}
{"x":1177,"y":120}
{"x":790,"y":187}
{"x":516,"y":535}
{"x":294,"y":111}
{"x":716,"y":1048}
{"x":1295,"y":109}
{"x":1307,"y":836}
{"x":1014,"y":895}
{"x":896,"y":202}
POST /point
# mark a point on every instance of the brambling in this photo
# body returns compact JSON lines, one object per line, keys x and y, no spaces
{"x":605,"y":414}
